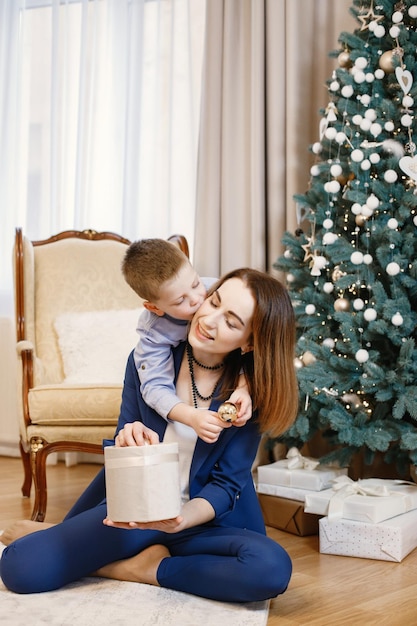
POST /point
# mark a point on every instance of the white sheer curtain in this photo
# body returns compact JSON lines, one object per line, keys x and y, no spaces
{"x":99,"y":115}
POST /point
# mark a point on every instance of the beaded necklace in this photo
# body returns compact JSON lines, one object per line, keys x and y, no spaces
{"x":194,"y":390}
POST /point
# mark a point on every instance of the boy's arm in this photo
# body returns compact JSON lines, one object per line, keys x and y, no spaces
{"x":154,"y":363}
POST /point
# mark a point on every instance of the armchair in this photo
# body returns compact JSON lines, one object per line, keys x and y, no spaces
{"x":75,"y":325}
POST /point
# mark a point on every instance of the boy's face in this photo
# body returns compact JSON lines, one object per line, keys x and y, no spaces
{"x":181,"y":296}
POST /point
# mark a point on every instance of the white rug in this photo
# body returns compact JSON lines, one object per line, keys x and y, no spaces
{"x":99,"y":602}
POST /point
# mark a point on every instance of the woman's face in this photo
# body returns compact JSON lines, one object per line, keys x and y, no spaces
{"x":224,"y":321}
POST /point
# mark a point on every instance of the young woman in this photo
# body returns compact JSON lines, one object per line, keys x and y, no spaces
{"x":217,"y":547}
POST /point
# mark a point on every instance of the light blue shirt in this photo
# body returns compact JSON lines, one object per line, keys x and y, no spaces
{"x":153,"y":356}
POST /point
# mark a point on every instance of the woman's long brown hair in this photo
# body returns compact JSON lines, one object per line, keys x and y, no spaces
{"x":269,"y":368}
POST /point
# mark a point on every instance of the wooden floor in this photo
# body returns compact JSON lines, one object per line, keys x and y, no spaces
{"x":324,"y":590}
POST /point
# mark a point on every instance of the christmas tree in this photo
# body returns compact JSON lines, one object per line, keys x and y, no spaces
{"x":351,"y":266}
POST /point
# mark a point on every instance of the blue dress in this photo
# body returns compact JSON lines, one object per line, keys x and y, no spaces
{"x":227,"y":559}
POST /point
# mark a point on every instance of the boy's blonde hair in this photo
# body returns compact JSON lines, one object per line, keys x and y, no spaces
{"x":148,"y":263}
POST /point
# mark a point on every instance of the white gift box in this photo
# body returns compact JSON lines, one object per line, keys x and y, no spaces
{"x":370,"y":500}
{"x":299,"y":472}
{"x":390,"y":540}
{"x":290,"y":493}
{"x":142,"y":482}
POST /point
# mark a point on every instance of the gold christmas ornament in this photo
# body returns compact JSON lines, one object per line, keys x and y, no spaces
{"x":344,"y":59}
{"x":341,"y":304}
{"x":360,"y":220}
{"x":227,"y":412}
{"x":386,"y":61}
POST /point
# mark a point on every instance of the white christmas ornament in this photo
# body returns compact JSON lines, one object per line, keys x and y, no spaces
{"x":329,"y":343}
{"x":359,"y":77}
{"x":365,"y":165}
{"x":317,"y":147}
{"x":372,"y":201}
{"x":357,"y":119}
{"x":412,"y":11}
{"x":327,"y":223}
{"x":379,"y":31}
{"x":362,"y":355}
{"x":328,"y":287}
{"x":290,"y":278}
{"x":370,"y":114}
{"x":376,"y":129}
{"x":336,"y":169}
{"x":389,"y":126}
{"x":356,"y":257}
{"x":408,"y":101}
{"x":406,"y":120}
{"x":357,"y":155}
{"x":415,"y":220}
{"x":379,"y":74}
{"x":397,"y":17}
{"x":356,"y":208}
{"x":310,"y":309}
{"x":370,"y":315}
{"x":393,"y":268}
{"x":329,"y":238}
{"x":394,"y":31}
{"x":340,"y":138}
{"x":405,"y":79}
{"x":390,"y":176}
{"x":361,"y":63}
{"x":368,"y":259}
{"x":334,"y":85}
{"x":315,"y":170}
{"x":287,"y":254}
{"x":374,"y":158}
{"x":397,"y":319}
{"x":358,"y":304}
{"x":347,"y":91}
{"x":392,"y":223}
{"x":408,"y":165}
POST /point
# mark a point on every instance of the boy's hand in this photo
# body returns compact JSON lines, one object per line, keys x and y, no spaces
{"x":207,"y":425}
{"x":241,"y":398}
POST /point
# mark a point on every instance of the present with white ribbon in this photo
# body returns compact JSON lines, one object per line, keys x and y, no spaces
{"x":299,"y":472}
{"x":142,"y":482}
{"x":391,"y":540}
{"x":370,"y":500}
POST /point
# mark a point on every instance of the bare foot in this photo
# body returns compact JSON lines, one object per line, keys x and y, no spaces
{"x":21,"y":529}
{"x":141,"y":568}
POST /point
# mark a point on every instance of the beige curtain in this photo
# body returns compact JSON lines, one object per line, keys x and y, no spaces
{"x":265,"y":69}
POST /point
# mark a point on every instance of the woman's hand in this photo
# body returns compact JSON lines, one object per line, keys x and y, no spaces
{"x":174,"y":525}
{"x":194,"y":512}
{"x":135,"y":434}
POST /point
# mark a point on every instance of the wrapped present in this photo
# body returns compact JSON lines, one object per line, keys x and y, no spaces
{"x":288,"y":515}
{"x":291,"y":493}
{"x":142,"y":482}
{"x":390,"y":540}
{"x":370,"y":500}
{"x":299,"y":471}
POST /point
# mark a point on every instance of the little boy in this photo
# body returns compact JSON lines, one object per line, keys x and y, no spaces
{"x":162,"y":275}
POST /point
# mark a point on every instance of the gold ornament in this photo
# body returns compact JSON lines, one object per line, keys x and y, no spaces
{"x":390,"y":59}
{"x":227,"y":412}
{"x":341,"y":304}
{"x":344,"y":59}
{"x":386,"y":62}
{"x":360,"y":220}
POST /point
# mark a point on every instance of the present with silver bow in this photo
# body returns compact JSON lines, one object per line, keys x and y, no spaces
{"x":390,"y":540}
{"x":371,"y":500}
{"x":298,"y":471}
{"x":142,"y":482}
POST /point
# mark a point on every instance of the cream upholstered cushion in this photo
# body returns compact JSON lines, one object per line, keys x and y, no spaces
{"x":94,"y":345}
